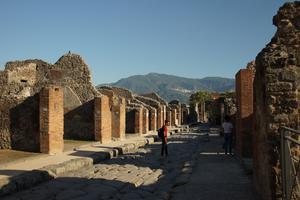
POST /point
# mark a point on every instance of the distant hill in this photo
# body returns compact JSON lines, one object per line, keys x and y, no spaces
{"x":172,"y":87}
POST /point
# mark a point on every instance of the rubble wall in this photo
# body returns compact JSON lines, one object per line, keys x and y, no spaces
{"x":276,"y":97}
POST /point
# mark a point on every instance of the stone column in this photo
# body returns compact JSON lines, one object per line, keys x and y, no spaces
{"x":118,"y":117}
{"x":244,"y":99}
{"x":160,"y":122}
{"x":51,"y":120}
{"x":153,"y":120}
{"x":102,"y":119}
{"x":169,"y":115}
{"x":173,"y":119}
{"x":179,"y":116}
{"x":145,"y":121}
{"x":138,"y":120}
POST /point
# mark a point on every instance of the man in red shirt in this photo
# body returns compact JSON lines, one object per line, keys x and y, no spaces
{"x":164,"y":142}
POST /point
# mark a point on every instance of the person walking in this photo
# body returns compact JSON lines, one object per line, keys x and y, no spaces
{"x":164,"y":142}
{"x":228,"y":135}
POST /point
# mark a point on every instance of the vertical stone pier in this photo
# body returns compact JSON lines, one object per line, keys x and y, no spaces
{"x":145,"y":121}
{"x":169,"y":115}
{"x":51,"y":120}
{"x":102,"y":119}
{"x":138,"y":120}
{"x":244,"y":115}
{"x":153,"y":120}
{"x":174,"y":117}
{"x":118,"y":106}
{"x":160,"y":117}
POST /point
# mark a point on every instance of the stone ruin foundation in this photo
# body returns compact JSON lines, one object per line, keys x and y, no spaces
{"x":21,"y":83}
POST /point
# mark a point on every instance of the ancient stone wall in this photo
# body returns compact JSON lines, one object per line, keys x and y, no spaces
{"x":276,"y":97}
{"x":122,"y":92}
{"x":21,"y":80}
{"x":156,"y":97}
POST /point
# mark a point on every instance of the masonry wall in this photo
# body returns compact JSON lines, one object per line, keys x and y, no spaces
{"x":276,"y":98}
{"x":19,"y":123}
{"x":244,"y":115}
{"x":51,"y":120}
{"x":102,"y":117}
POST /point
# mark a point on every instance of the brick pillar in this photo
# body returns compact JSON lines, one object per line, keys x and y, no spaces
{"x":51,"y":120}
{"x":160,"y":117}
{"x":138,"y":120}
{"x":173,"y":118}
{"x":164,"y":114}
{"x":118,"y":117}
{"x":102,"y":119}
{"x":179,"y":114}
{"x":153,"y":119}
{"x":169,"y":116}
{"x":244,"y":98}
{"x":145,"y":121}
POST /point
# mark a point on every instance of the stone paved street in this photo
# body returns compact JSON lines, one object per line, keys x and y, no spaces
{"x":144,"y":174}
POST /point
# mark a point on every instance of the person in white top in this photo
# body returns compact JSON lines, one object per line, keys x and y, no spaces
{"x":227,"y":130}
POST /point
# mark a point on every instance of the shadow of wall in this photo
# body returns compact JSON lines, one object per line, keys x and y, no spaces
{"x":79,"y":122}
{"x":24,"y":125}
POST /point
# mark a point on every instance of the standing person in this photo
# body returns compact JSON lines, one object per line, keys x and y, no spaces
{"x":227,"y":130}
{"x":164,"y":142}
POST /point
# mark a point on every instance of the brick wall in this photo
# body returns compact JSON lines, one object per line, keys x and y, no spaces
{"x":244,"y":98}
{"x":102,"y":117}
{"x":51,"y":120}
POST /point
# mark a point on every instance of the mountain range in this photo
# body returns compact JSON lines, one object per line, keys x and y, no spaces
{"x":172,"y":87}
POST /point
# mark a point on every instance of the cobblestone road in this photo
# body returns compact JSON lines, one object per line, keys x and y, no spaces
{"x":143,"y":174}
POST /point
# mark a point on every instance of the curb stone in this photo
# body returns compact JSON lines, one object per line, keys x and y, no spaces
{"x":29,"y":179}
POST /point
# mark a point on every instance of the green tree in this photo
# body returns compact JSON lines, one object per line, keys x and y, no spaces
{"x":199,"y":97}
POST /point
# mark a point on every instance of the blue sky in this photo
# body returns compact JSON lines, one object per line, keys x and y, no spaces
{"x":120,"y":38}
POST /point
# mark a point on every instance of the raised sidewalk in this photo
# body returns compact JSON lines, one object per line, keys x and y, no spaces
{"x":25,"y":173}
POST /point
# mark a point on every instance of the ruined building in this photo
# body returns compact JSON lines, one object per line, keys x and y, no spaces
{"x":273,"y":103}
{"x":24,"y":109}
